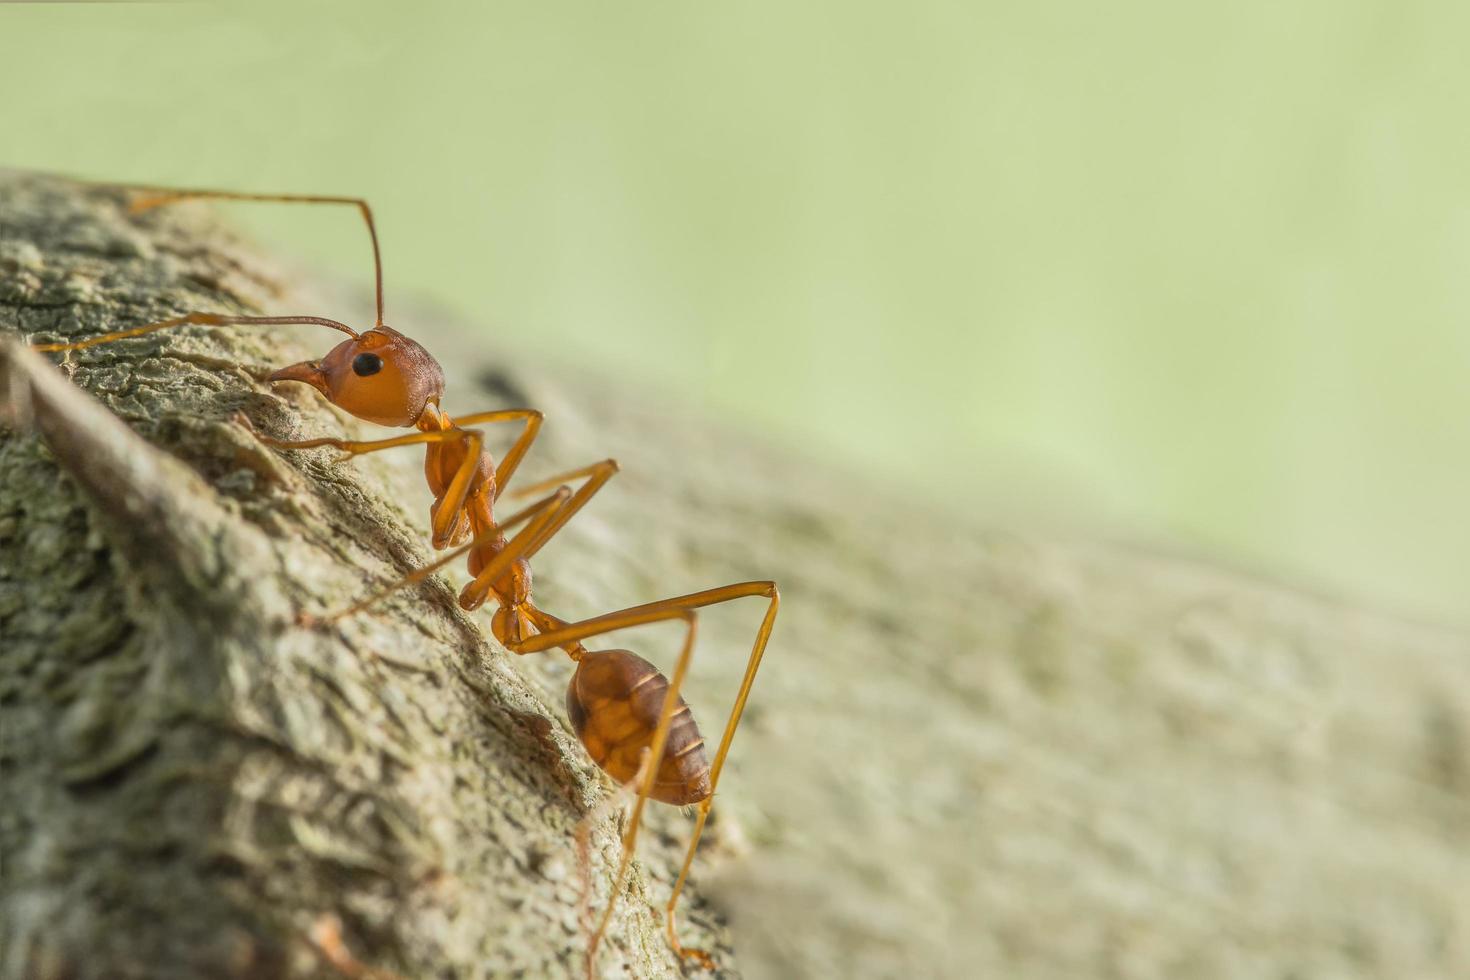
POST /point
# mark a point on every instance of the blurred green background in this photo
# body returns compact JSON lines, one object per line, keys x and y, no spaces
{"x":1186,"y":274}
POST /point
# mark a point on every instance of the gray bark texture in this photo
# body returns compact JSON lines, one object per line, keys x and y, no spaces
{"x":971,"y":752}
{"x":192,"y":784}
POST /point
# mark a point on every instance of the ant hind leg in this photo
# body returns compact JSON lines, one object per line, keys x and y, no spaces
{"x":678,"y":607}
{"x":655,"y":749}
{"x":585,"y":826}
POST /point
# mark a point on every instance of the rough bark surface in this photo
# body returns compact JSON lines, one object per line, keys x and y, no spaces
{"x":191,"y":783}
{"x":971,"y":752}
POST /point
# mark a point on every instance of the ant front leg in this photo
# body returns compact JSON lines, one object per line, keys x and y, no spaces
{"x":451,"y":501}
{"x":511,"y":461}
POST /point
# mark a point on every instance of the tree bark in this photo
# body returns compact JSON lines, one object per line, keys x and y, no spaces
{"x":194,"y":786}
{"x":971,"y":752}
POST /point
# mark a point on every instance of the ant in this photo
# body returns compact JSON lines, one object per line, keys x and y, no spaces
{"x":625,"y":712}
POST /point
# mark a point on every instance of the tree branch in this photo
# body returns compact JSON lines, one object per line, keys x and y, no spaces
{"x":192,"y":784}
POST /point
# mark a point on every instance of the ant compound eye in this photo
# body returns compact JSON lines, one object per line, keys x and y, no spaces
{"x":366,"y":364}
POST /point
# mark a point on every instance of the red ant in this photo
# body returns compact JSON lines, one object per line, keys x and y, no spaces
{"x":625,"y":711}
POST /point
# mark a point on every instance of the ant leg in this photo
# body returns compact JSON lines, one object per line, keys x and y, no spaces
{"x":565,"y":477}
{"x":517,"y":452}
{"x":326,"y":939}
{"x":653,"y":612}
{"x":597,"y":475}
{"x":525,"y":545}
{"x":568,"y":633}
{"x":450,"y":503}
{"x":586,"y":825}
{"x":537,"y":510}
{"x":193,"y":319}
{"x":154,"y":197}
{"x":447,"y":508}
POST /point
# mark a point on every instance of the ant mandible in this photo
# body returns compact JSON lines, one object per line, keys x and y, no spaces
{"x":624,"y":710}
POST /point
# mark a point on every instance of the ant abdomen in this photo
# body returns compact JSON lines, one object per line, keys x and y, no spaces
{"x":614,"y":701}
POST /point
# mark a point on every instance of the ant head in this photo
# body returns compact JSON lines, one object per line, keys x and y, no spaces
{"x":380,"y":375}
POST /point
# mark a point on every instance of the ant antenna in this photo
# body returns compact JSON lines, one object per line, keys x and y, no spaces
{"x":158,"y":196}
{"x":201,"y":319}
